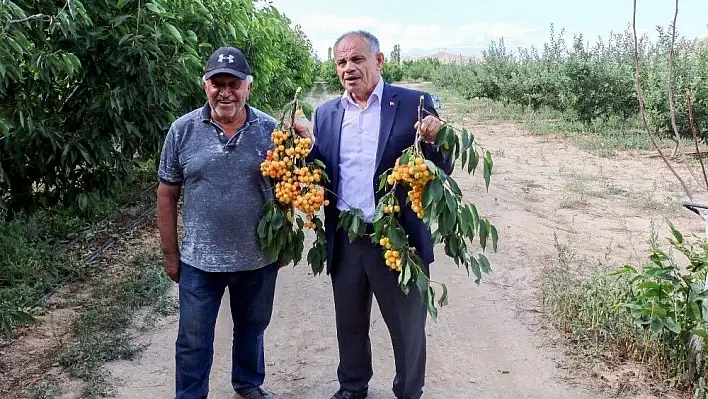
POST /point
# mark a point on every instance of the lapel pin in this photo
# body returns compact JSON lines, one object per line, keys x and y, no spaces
{"x":390,"y":103}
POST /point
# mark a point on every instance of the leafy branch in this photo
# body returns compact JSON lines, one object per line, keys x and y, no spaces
{"x":297,"y":185}
{"x":437,"y":200}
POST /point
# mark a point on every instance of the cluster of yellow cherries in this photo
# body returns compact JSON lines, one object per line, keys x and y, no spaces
{"x":296,"y":186}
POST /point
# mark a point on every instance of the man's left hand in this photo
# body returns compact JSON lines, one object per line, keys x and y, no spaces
{"x":429,"y":128}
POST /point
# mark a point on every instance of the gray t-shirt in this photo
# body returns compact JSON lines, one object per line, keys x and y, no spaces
{"x":224,"y":190}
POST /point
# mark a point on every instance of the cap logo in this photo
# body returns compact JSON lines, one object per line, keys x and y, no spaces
{"x":229,"y":57}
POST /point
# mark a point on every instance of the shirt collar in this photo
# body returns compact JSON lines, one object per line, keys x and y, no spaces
{"x":375,"y":95}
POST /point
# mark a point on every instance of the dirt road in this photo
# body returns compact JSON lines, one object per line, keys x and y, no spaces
{"x":490,"y":342}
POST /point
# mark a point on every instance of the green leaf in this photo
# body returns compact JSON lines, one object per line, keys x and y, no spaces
{"x":433,"y":192}
{"x":476,"y":269}
{"x":343,"y":220}
{"x":277,"y":220}
{"x":649,"y":285}
{"x":383,"y":181}
{"x":483,"y":234}
{"x":319,"y":164}
{"x":450,"y":202}
{"x":443,"y":297}
{"x":677,"y":234}
{"x":261,"y":230}
{"x":72,"y":8}
{"x":154,"y":8}
{"x":473,"y":161}
{"x":432,"y":168}
{"x":701,"y":332}
{"x":397,"y":238}
{"x":488,"y":164}
{"x":466,"y":141}
{"x":87,"y":156}
{"x":422,"y":282}
{"x":431,"y":303}
{"x":672,"y":325}
{"x":174,"y":32}
{"x":454,"y":187}
{"x":307,"y":109}
{"x":192,"y":36}
{"x":354,"y":228}
{"x":484,"y":264}
{"x":495,"y":235}
{"x":69,"y":66}
{"x":656,"y":325}
{"x":121,"y":3}
{"x":378,"y":213}
{"x":405,"y":276}
{"x":463,"y":219}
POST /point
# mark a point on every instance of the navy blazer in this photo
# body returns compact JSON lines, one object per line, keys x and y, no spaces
{"x":399,"y":113}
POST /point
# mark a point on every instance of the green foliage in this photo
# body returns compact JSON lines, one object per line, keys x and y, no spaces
{"x":37,"y":251}
{"x":420,"y":69}
{"x":281,"y":234}
{"x":586,"y":82}
{"x":392,"y":71}
{"x":87,"y":89}
{"x":328,"y":74}
{"x":650,"y":313}
{"x":30,"y":266}
{"x":666,"y":298}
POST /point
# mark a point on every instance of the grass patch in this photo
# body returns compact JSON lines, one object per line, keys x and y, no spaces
{"x":47,"y":389}
{"x":586,"y":304}
{"x":105,"y":329}
{"x":35,"y":258}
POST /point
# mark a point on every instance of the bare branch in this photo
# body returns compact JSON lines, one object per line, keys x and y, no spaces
{"x":672,"y":109}
{"x":676,"y":154}
{"x":640,"y":99}
{"x":44,"y":17}
{"x":31,"y":17}
{"x":694,"y":131}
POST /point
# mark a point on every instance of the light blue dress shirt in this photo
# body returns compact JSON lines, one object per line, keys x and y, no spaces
{"x":357,"y":153}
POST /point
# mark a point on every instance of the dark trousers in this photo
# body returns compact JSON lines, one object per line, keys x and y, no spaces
{"x":360,"y":271}
{"x":200,"y":293}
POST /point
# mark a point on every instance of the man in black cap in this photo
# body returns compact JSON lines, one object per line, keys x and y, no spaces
{"x":214,"y":154}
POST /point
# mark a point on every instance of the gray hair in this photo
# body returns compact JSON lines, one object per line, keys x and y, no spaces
{"x":370,"y":39}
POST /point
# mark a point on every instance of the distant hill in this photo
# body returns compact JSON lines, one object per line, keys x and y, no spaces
{"x":444,"y":57}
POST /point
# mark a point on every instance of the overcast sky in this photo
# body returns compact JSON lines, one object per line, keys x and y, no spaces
{"x":460,"y":26}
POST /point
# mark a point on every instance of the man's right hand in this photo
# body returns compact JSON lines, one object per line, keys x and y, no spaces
{"x":303,"y":128}
{"x":167,"y":199}
{"x":172,"y":267}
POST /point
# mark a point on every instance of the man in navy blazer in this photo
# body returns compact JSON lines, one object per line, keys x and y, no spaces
{"x":359,"y":136}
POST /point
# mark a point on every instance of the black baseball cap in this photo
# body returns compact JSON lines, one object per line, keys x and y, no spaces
{"x":227,"y":60}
